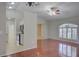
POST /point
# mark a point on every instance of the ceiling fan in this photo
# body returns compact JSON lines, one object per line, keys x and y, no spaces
{"x":32,"y":4}
{"x":54,"y":11}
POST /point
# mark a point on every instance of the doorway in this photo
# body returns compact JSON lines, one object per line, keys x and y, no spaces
{"x":40,"y":31}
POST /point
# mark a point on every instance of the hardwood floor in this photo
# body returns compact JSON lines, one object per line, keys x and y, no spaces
{"x":51,"y":48}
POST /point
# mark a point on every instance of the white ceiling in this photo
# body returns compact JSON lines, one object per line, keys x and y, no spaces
{"x":68,"y":9}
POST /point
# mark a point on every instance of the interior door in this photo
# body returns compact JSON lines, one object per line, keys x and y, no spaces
{"x":40,"y":31}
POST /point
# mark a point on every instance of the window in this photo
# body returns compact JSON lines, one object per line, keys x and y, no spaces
{"x":68,"y":31}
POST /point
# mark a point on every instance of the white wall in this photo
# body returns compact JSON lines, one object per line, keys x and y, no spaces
{"x":3,"y":36}
{"x":30,"y":38}
{"x":11,"y":45}
{"x":45,"y":28}
{"x":30,"y":28}
{"x":53,"y":26}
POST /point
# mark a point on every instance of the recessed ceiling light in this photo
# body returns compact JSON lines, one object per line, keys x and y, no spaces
{"x":10,"y":7}
{"x":12,"y":3}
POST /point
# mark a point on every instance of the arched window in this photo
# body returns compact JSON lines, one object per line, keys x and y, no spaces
{"x":68,"y":31}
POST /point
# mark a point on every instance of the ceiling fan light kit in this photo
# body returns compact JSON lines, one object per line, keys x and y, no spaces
{"x":54,"y":11}
{"x":32,"y":4}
